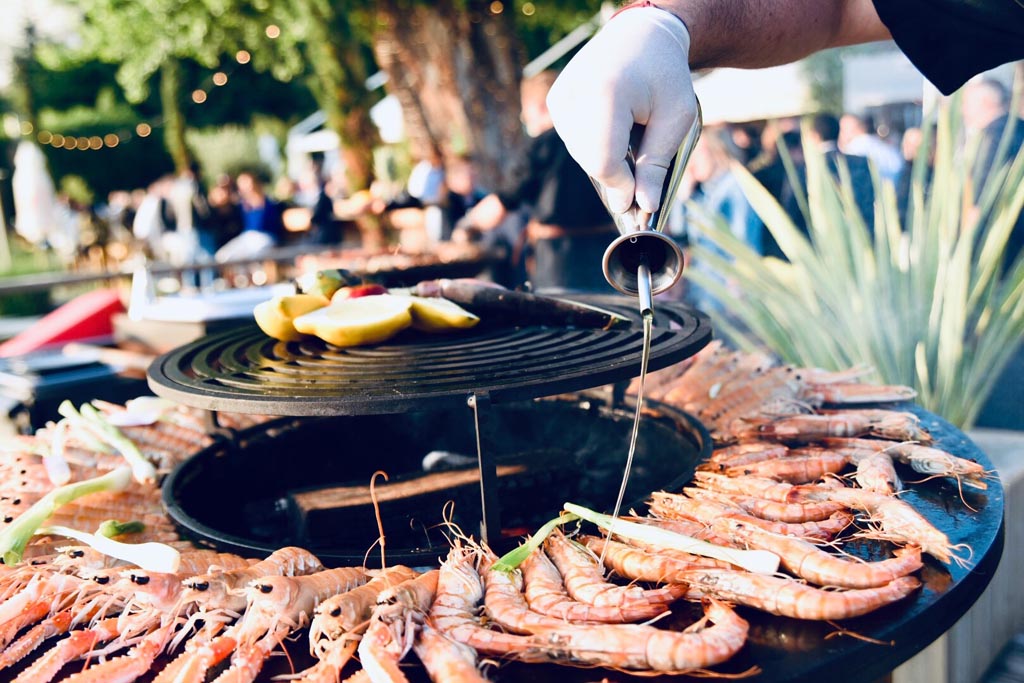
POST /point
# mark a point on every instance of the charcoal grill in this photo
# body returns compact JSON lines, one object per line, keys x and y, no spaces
{"x":243,"y":370}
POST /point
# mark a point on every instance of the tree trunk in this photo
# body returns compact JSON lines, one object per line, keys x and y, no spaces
{"x":340,"y":69}
{"x":174,"y":117}
{"x":456,"y":74}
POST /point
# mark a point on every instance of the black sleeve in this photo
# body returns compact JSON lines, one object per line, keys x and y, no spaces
{"x":950,"y":41}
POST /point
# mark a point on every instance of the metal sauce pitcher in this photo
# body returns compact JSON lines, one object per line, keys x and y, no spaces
{"x":643,"y":261}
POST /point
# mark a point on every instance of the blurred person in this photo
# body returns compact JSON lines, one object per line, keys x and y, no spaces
{"x":857,"y":139}
{"x":717,"y":192}
{"x":746,"y":141}
{"x":986,"y":114}
{"x":463,"y":193}
{"x":225,"y":210}
{"x":190,"y":240}
{"x":716,"y":195}
{"x":315,"y":196}
{"x":823,"y":135}
{"x":153,"y":216}
{"x":569,"y":227}
{"x":910,"y":147}
{"x":262,"y":228}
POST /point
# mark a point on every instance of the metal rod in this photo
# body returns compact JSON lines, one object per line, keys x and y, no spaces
{"x":643,"y":285}
{"x":490,"y":512}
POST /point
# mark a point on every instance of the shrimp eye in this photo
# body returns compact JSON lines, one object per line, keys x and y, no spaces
{"x":200,"y":585}
{"x":264,"y":588}
{"x":140,"y":579}
{"x":336,"y":612}
{"x":101,"y":580}
{"x":76,"y":553}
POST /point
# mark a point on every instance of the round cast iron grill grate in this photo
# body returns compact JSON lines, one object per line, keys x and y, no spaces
{"x":244,"y":370}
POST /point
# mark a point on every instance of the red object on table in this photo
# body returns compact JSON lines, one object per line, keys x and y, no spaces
{"x":88,"y":316}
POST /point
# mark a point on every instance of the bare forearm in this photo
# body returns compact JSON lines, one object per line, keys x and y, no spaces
{"x":760,"y":33}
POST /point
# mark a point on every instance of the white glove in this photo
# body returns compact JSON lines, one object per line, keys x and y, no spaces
{"x":635,"y":70}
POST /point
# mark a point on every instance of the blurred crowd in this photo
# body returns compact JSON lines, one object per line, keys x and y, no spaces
{"x":547,"y":217}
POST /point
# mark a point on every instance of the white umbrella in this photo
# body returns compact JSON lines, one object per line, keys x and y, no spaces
{"x":34,"y":196}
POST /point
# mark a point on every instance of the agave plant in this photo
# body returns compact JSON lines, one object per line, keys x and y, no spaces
{"x":931,"y":303}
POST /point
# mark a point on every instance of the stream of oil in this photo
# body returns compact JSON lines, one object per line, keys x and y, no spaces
{"x":648,"y":325}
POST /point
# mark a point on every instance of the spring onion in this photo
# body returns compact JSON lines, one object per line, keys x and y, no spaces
{"x":141,"y":411}
{"x":57,"y":469}
{"x":513,"y":558}
{"x":757,"y":561}
{"x":83,"y":431}
{"x":153,"y":557}
{"x":113,"y":527}
{"x":16,"y":536}
{"x":142,"y":469}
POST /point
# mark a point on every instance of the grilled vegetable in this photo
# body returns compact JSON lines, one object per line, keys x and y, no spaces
{"x":326,"y":282}
{"x":275,"y":317}
{"x":353,"y":322}
{"x":518,"y":308}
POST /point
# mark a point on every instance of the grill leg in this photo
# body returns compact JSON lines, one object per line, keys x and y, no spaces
{"x":482,"y":421}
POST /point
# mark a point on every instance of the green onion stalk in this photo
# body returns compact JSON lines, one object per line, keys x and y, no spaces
{"x":16,"y":536}
{"x":757,"y":561}
{"x":94,"y":421}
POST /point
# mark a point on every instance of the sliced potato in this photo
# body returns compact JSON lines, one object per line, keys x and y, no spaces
{"x":275,"y":317}
{"x":354,"y":322}
{"x":440,"y":315}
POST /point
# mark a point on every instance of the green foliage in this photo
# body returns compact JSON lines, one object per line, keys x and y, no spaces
{"x":224,"y":150}
{"x":26,"y":261}
{"x":931,"y":303}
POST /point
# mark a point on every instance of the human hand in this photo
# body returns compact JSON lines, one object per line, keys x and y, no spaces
{"x":634,"y":71}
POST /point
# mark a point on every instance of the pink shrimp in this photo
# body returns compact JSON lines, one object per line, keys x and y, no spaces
{"x":585,"y":582}
{"x":636,"y":564}
{"x":810,"y":562}
{"x":769,"y":509}
{"x":75,"y":645}
{"x":130,"y":666}
{"x":545,"y":593}
{"x":394,"y":627}
{"x":446,"y":659}
{"x":453,"y":612}
{"x":630,"y":646}
{"x":790,"y":598}
{"x":850,"y":392}
{"x":794,"y":468}
{"x":758,"y":487}
{"x":278,"y":605}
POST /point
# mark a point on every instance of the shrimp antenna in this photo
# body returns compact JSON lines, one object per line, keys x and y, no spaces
{"x":376,"y":514}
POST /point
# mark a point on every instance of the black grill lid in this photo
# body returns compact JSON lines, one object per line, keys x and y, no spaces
{"x":244,"y":370}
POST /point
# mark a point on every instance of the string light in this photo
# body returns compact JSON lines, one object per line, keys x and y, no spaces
{"x":529,"y":9}
{"x":220,"y":78}
{"x":44,"y":137}
{"x":143,"y":130}
{"x":26,"y":128}
{"x":497,"y":7}
{"x":198,"y":96}
{"x":273,"y":31}
{"x":243,"y":56}
{"x":111,"y":140}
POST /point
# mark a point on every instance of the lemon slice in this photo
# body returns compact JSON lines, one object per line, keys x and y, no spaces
{"x":275,"y":316}
{"x":353,"y":322}
{"x":440,"y":315}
